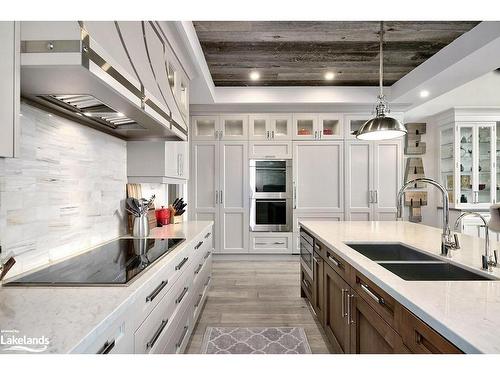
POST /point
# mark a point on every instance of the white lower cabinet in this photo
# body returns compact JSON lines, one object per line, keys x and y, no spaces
{"x":270,"y":242}
{"x":270,"y":150}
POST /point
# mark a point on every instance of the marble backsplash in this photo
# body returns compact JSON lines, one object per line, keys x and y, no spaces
{"x":64,"y":194}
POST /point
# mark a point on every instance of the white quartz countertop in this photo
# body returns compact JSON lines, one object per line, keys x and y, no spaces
{"x":68,"y":315}
{"x":465,"y":312}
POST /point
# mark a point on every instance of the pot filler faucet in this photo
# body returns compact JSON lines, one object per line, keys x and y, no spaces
{"x":448,"y":242}
{"x":487,"y":260}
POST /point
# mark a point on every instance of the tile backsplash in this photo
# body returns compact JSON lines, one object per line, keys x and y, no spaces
{"x":64,"y":194}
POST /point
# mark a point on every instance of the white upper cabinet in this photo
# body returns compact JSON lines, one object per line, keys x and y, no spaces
{"x":234,"y":127}
{"x":205,"y":128}
{"x":330,"y":126}
{"x":305,"y":126}
{"x":259,"y":127}
{"x":157,"y":162}
{"x":9,"y":89}
{"x":353,"y":122}
{"x":281,"y":127}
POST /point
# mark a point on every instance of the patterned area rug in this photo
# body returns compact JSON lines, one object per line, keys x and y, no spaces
{"x":269,"y":340}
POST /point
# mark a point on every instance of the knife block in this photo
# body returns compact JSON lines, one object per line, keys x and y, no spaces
{"x":176,"y":219}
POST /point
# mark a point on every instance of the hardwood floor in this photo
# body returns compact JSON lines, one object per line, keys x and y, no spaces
{"x":251,"y":293}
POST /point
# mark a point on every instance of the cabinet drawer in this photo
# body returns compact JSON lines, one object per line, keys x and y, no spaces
{"x":269,"y":150}
{"x":306,"y":284}
{"x":271,"y":243}
{"x":178,"y":338}
{"x":422,"y":339}
{"x":338,"y":264}
{"x":379,"y":300}
{"x":161,"y":321}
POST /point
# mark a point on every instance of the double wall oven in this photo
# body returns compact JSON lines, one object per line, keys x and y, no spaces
{"x":270,"y":195}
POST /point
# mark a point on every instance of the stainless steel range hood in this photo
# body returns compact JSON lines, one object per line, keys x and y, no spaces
{"x":81,"y":80}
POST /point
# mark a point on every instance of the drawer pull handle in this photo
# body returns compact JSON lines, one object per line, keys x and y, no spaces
{"x":199,"y":300}
{"x":181,"y":340}
{"x":378,"y":299}
{"x":307,"y":283}
{"x":344,"y":313}
{"x":183,"y":262}
{"x":350,"y":320}
{"x":279,"y":243}
{"x":208,"y":234}
{"x":198,"y":246}
{"x":208,"y":281}
{"x":317,"y":246}
{"x":157,"y":290}
{"x":181,"y":296}
{"x":206,"y":255}
{"x":197,"y":271}
{"x":157,"y":334}
{"x":334,"y":261}
{"x":106,"y":348}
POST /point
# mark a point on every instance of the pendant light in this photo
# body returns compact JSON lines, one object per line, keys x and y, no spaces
{"x":381,"y":126}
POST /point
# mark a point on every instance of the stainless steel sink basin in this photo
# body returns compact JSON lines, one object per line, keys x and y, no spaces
{"x":433,"y":272}
{"x":390,"y":252}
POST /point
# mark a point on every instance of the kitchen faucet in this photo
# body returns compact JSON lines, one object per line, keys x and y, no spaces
{"x":488,"y":262}
{"x":448,"y":242}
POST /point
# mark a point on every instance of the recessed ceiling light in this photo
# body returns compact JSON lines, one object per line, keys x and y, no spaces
{"x":254,"y":76}
{"x":329,"y":76}
{"x":119,"y":114}
{"x":88,"y":114}
{"x":424,"y":94}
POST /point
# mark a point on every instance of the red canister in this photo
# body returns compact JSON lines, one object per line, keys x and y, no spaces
{"x":162,"y":216}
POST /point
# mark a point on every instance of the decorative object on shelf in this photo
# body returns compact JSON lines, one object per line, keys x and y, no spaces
{"x":449,"y":182}
{"x":413,"y":139}
{"x":463,"y":198}
{"x":415,"y":200}
{"x":465,"y":182}
{"x":381,"y":126}
{"x":414,"y":169}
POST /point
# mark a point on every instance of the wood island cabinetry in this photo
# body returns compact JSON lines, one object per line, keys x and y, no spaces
{"x":358,"y":317}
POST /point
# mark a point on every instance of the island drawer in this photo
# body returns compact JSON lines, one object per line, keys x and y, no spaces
{"x":306,"y":284}
{"x":422,"y":339}
{"x":334,"y":260}
{"x":379,"y":300}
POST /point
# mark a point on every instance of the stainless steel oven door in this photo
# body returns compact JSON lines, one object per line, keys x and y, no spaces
{"x":270,"y":178}
{"x":270,"y":215}
{"x":307,"y":253}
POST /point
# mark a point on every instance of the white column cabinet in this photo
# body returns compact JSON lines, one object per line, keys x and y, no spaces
{"x":219,"y":192}
{"x":373,"y":173}
{"x":10,"y":94}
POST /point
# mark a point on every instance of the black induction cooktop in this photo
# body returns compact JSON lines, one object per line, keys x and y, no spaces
{"x":115,"y":263}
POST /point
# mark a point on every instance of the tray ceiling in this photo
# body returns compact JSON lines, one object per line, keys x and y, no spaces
{"x":288,"y":53}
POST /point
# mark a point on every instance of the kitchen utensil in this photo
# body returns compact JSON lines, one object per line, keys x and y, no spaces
{"x":179,"y":213}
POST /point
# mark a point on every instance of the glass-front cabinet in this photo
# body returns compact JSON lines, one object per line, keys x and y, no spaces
{"x":275,"y":127}
{"x":225,"y":128}
{"x":468,"y":163}
{"x":323,"y":126}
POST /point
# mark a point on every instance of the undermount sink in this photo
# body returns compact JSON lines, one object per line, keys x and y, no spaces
{"x":433,"y":272}
{"x":380,"y":252}
{"x":414,"y":265}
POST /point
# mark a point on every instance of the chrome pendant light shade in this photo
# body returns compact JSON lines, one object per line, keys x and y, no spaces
{"x":381,"y":126}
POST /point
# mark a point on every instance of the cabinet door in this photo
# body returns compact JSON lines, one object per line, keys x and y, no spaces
{"x":387,"y":178}
{"x":259,"y":127}
{"x":485,"y":175}
{"x":318,"y":169}
{"x":204,"y":187}
{"x":353,"y":122}
{"x":205,"y":128}
{"x":233,"y":200}
{"x":281,"y":127}
{"x":318,"y":286}
{"x":465,"y":165}
{"x":358,"y":181}
{"x":370,"y":334}
{"x":10,"y":94}
{"x":335,"y":310}
{"x":305,"y":126}
{"x":234,"y":127}
{"x":330,"y":126}
{"x":182,"y":160}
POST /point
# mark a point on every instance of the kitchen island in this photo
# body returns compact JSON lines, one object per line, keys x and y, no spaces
{"x":118,"y":319}
{"x":465,"y":313}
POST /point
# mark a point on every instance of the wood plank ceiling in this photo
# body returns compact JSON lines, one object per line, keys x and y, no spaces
{"x":288,"y":53}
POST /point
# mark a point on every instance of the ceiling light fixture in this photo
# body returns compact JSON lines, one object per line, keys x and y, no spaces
{"x":254,"y":76}
{"x":381,"y":126}
{"x":424,"y":94}
{"x":119,"y":114}
{"x":329,"y":76}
